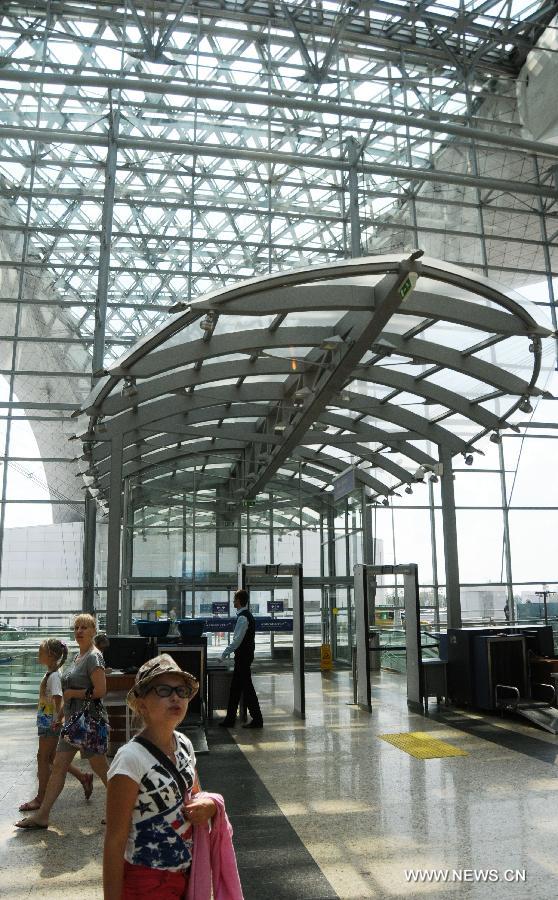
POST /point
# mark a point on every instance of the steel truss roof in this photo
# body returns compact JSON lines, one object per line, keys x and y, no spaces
{"x":224,"y":129}
{"x":230,"y":136}
{"x":285,"y":381}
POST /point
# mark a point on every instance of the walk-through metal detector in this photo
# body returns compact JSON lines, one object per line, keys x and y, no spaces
{"x":365,"y":602}
{"x":295,"y":571}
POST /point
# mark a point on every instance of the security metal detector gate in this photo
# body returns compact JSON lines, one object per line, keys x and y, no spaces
{"x":244,"y":573}
{"x":365,"y":601}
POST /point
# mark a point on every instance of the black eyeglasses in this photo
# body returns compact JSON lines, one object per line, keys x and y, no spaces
{"x":166,"y":690}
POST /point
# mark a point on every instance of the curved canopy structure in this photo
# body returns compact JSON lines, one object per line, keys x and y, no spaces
{"x":389,"y":363}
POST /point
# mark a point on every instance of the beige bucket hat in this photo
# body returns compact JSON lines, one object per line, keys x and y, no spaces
{"x":159,"y":665}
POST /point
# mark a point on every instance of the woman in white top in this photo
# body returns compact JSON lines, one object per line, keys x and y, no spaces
{"x":84,"y":679}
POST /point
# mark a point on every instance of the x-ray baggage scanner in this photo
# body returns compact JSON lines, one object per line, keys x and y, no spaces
{"x":365,"y":596}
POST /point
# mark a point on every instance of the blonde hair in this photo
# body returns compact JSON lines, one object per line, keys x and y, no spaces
{"x":86,"y":619}
{"x":57,"y":650}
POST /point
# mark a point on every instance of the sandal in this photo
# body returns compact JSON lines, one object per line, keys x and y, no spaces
{"x":87,"y":785}
{"x":30,"y":806}
{"x":29,"y":824}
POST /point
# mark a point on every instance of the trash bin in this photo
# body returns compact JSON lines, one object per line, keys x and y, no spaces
{"x":374,"y":642}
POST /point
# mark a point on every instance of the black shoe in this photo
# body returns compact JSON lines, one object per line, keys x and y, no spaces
{"x":253,"y":724}
{"x":225,"y":723}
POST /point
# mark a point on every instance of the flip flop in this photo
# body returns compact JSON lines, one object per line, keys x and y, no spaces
{"x":29,"y":825}
{"x":87,"y":785}
{"x":30,"y":806}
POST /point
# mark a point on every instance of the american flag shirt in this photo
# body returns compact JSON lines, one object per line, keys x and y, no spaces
{"x":160,"y":835}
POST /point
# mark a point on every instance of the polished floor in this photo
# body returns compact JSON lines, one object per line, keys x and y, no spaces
{"x":324,"y":809}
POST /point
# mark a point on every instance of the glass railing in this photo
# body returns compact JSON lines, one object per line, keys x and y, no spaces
{"x":20,"y":670}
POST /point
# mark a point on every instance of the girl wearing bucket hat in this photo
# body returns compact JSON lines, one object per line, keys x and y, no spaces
{"x":151,"y":795}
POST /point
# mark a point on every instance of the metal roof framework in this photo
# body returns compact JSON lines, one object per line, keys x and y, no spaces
{"x":153,"y":152}
{"x":202,"y":141}
{"x":317,"y":367}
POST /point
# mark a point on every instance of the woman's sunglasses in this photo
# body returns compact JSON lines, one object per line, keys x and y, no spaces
{"x":166,"y":690}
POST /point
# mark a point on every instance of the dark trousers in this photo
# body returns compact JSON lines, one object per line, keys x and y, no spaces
{"x":241,"y":684}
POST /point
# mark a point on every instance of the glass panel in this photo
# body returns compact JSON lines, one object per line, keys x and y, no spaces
{"x":480,"y":535}
{"x":403,"y":536}
{"x":537,"y":456}
{"x":477,"y":488}
{"x":311,"y":552}
{"x":41,"y":610}
{"x":157,"y":552}
{"x":43,"y":556}
{"x":533,"y":544}
{"x":484,"y":603}
{"x":341,"y":599}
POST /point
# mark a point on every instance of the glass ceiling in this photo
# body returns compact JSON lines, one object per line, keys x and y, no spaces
{"x":225,"y":79}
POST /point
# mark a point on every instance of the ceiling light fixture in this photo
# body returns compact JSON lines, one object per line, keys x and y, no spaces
{"x":129,"y":388}
{"x":302,"y":393}
{"x":208,"y":322}
{"x":525,"y":405}
{"x":468,"y":458}
{"x":331,"y":343}
{"x":496,"y":437}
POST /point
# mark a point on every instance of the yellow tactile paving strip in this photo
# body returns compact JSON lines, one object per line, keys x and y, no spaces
{"x":421,"y":745}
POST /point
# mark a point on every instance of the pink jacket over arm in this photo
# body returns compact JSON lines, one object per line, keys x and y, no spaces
{"x":213,"y":859}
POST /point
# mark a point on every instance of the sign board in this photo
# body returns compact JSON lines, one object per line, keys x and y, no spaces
{"x":275,"y":606}
{"x":383,"y":617}
{"x":407,"y":285}
{"x":268,"y":623}
{"x":326,"y":661}
{"x":344,"y":484}
{"x":264,"y":624}
{"x":220,"y":608}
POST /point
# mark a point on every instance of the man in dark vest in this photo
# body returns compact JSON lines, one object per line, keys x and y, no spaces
{"x":242,"y":645}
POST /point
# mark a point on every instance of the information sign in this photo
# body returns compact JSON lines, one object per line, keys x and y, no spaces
{"x":220,"y":608}
{"x":275,"y":606}
{"x":264,"y":624}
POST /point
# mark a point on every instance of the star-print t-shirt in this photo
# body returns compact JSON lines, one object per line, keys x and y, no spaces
{"x":47,"y":709}
{"x":160,"y":835}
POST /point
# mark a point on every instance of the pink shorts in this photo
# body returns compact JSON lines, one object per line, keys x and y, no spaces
{"x":155,"y":884}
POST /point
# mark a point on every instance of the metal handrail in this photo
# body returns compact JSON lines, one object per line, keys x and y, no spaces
{"x":544,"y":684}
{"x":508,"y":687}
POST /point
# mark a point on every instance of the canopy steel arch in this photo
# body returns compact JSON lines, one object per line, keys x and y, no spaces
{"x":180,"y":392}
